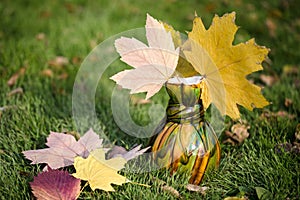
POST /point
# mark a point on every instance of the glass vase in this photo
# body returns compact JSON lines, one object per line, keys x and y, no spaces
{"x":186,"y":142}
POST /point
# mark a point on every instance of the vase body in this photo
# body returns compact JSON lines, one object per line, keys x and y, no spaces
{"x":187,"y":142}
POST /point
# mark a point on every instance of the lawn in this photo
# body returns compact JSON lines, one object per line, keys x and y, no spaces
{"x":36,"y":92}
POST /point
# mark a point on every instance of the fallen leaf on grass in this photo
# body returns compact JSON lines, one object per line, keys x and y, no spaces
{"x":197,"y":188}
{"x":76,"y":60}
{"x":47,"y":73}
{"x":239,"y":132}
{"x":63,"y":149}
{"x":18,"y":90}
{"x":280,"y":114}
{"x":171,"y":190}
{"x":118,"y":151}
{"x":55,"y":185}
{"x":268,"y":80}
{"x":45,"y":14}
{"x":99,"y":172}
{"x":210,"y":7}
{"x":284,"y":114}
{"x":40,"y":36}
{"x":272,"y":27}
{"x":71,"y":8}
{"x":163,"y":185}
{"x":288,"y":147}
{"x":288,"y":102}
{"x":63,"y":76}
{"x":58,"y":62}
{"x":13,"y":79}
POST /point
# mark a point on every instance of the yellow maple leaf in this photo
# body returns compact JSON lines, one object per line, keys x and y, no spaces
{"x":183,"y":68}
{"x":225,"y":66}
{"x":100,"y":173}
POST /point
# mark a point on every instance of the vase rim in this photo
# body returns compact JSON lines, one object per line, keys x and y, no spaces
{"x":193,"y":80}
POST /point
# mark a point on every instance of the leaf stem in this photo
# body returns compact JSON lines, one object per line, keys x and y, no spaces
{"x":86,"y":184}
{"x":144,"y":185}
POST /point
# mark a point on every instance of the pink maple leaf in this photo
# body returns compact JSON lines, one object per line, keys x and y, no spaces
{"x":118,"y":151}
{"x":153,"y":64}
{"x":64,"y":148}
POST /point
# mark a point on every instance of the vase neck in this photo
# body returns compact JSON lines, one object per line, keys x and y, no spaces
{"x":185,"y":104}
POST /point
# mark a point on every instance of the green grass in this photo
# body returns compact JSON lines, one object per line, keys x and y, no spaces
{"x":71,"y":26}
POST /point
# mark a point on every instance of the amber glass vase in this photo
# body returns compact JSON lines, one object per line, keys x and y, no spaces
{"x":187,"y":142}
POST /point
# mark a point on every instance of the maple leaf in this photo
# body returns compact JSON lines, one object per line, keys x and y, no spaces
{"x":55,"y":185}
{"x":225,"y":66}
{"x":100,"y":173}
{"x":154,"y":64}
{"x":118,"y":151}
{"x":237,"y":135}
{"x":183,"y":68}
{"x":64,"y":148}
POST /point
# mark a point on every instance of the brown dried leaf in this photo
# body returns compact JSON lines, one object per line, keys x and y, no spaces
{"x":63,"y":76}
{"x":40,"y":36}
{"x":211,"y":7}
{"x":45,"y":14}
{"x":47,"y":73}
{"x":163,"y":185}
{"x":76,"y":60}
{"x":272,"y":27}
{"x":171,"y":190}
{"x":197,"y":188}
{"x":58,"y":62}
{"x":71,"y":8}
{"x":18,"y":90}
{"x":269,"y":115}
{"x":285,"y":114}
{"x":13,"y":79}
{"x":296,"y":148}
{"x":288,"y":147}
{"x":268,"y":80}
{"x":288,"y":102}
{"x":237,"y":135}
